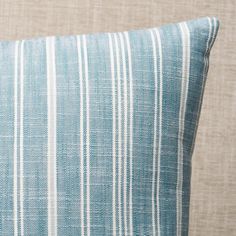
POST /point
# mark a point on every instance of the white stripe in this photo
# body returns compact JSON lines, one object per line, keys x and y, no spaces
{"x":119,"y":134}
{"x":81,"y":136}
{"x":156,"y":158}
{"x":183,"y":100}
{"x":52,"y":162}
{"x":22,"y":139}
{"x":160,"y":129}
{"x":154,"y":138}
{"x":87,"y":133}
{"x":131,"y":133}
{"x":113,"y":135}
{"x":15,"y":139}
{"x":125,"y":133}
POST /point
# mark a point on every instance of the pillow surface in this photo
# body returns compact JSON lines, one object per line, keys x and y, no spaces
{"x":97,"y":131}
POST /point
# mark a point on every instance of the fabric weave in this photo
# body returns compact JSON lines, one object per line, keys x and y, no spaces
{"x":97,"y":130}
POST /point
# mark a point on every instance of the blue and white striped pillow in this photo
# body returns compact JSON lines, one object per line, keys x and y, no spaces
{"x":97,"y":131}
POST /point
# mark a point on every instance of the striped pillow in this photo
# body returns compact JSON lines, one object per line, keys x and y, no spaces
{"x":97,"y":131}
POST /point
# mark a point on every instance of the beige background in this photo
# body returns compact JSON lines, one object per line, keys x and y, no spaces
{"x":213,"y":200}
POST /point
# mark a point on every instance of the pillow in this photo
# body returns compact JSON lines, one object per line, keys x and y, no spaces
{"x":97,"y":131}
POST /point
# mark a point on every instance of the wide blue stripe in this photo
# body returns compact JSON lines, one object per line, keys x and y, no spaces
{"x":143,"y":93}
{"x":172,"y":80}
{"x":100,"y":91}
{"x":68,"y":136}
{"x":6,"y":136}
{"x":35,"y":137}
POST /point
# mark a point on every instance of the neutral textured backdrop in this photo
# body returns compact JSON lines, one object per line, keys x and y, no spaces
{"x":213,"y":200}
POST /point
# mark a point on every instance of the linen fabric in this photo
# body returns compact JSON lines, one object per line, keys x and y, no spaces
{"x":97,"y":131}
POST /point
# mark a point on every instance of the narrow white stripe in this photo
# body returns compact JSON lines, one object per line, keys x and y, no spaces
{"x":131,"y":134}
{"x":87,"y":133}
{"x":113,"y":135}
{"x":81,"y":136}
{"x":156,"y":151}
{"x":184,"y":93}
{"x":22,"y":139}
{"x":119,"y":134}
{"x":125,"y":132}
{"x":52,"y":162}
{"x":154,"y":138}
{"x":15,"y":139}
{"x":160,"y":129}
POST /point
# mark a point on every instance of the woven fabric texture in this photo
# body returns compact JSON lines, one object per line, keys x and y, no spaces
{"x":97,"y":131}
{"x":213,"y":187}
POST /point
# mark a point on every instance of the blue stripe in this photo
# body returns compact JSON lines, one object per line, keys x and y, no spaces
{"x":172,"y":73}
{"x":6,"y":136}
{"x":143,"y":93}
{"x":68,"y":136}
{"x":35,"y":137}
{"x":101,"y":135}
